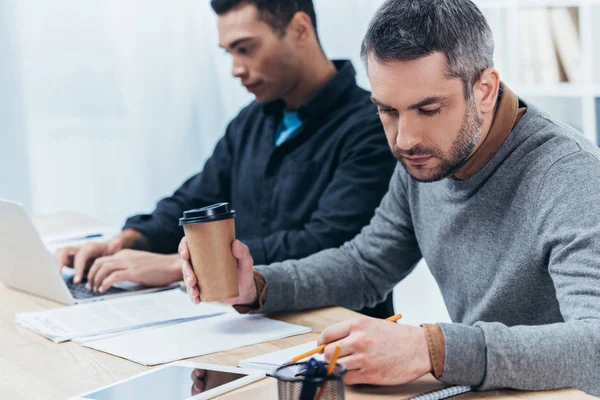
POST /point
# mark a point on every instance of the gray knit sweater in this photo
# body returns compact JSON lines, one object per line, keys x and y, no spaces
{"x":515,"y":250}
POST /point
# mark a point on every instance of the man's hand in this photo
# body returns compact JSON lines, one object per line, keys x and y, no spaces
{"x":81,"y":258}
{"x":246,"y":286}
{"x":198,"y":384}
{"x":378,"y":352}
{"x":136,"y":266}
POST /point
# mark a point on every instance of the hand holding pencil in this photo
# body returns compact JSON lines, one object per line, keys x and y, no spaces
{"x":321,"y":348}
{"x":376,"y":351}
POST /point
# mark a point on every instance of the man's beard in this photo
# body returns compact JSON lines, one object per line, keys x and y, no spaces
{"x":462,"y":148}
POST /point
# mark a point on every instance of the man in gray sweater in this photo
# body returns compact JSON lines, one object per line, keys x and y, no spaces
{"x":499,"y":198}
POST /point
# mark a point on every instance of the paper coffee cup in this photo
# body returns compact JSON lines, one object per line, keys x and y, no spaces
{"x":210,"y":232}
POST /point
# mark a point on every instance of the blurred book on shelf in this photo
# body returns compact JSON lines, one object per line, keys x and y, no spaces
{"x":597,"y":119}
{"x":549,"y":48}
{"x":565,"y":29}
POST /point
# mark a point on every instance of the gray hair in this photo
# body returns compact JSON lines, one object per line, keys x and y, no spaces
{"x":406,"y":30}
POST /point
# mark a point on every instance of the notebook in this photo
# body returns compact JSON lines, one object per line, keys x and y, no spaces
{"x":271,"y":361}
{"x":443,"y":393}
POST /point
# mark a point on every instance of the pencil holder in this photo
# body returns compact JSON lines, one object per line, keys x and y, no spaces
{"x":294,"y":384}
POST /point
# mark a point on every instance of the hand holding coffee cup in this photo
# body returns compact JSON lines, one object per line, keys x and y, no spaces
{"x":215,"y":266}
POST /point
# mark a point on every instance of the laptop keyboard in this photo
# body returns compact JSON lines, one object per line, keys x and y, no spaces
{"x":79,"y":291}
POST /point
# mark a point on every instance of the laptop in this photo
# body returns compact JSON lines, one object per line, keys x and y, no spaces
{"x":27,"y":265}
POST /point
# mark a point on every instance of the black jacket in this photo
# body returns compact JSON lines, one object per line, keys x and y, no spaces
{"x":315,"y":191}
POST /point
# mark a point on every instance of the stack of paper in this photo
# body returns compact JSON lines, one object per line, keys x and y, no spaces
{"x":271,"y":361}
{"x":117,"y":315}
{"x":195,"y":338}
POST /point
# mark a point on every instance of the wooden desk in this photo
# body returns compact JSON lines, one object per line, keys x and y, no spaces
{"x":32,"y":367}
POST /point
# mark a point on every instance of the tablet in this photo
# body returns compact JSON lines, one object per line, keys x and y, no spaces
{"x":178,"y":381}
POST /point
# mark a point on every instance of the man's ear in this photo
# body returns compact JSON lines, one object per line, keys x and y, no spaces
{"x":300,"y":27}
{"x":486,"y":90}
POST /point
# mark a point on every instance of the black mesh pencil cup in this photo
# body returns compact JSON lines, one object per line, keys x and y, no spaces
{"x":293,"y":383}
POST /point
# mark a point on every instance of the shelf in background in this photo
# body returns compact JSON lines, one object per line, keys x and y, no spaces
{"x":577,"y":104}
{"x":533,"y":3}
{"x":595,"y":46}
{"x":556,"y":90}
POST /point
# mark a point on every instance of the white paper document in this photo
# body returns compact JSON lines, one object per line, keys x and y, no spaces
{"x":117,"y":315}
{"x":54,"y":242}
{"x":84,"y":339}
{"x":271,"y":361}
{"x":195,"y":338}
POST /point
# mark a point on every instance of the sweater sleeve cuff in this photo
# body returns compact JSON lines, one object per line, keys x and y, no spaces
{"x":257,"y":250}
{"x":261,"y":291}
{"x":437,"y":348}
{"x":465,"y":355}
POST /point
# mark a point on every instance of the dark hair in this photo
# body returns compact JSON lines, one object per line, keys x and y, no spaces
{"x":276,"y":13}
{"x":405,"y":30}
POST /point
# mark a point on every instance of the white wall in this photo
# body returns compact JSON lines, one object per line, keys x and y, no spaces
{"x":14,"y":161}
{"x":124,"y":100}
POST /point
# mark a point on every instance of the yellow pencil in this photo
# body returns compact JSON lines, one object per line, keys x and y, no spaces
{"x":336,"y":355}
{"x":321,"y":348}
{"x":330,"y":368}
{"x":394,"y":318}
